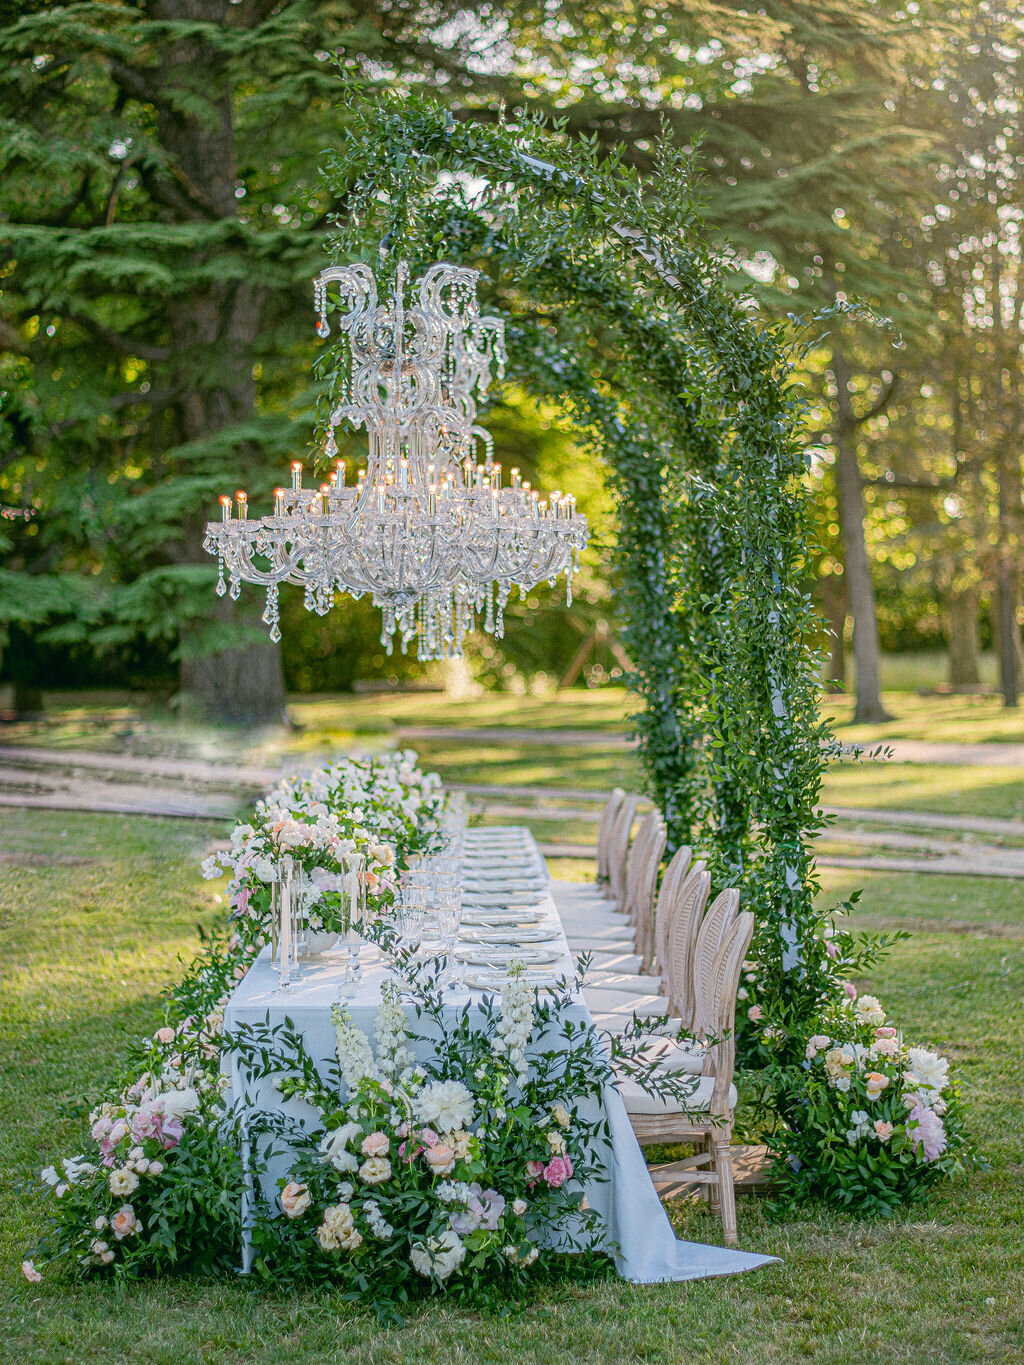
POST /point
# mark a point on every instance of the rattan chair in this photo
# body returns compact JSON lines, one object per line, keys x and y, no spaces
{"x":618,"y":847}
{"x":708,"y":1117}
{"x":604,"y":832}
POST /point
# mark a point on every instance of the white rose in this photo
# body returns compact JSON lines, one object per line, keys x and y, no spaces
{"x":178,"y":1104}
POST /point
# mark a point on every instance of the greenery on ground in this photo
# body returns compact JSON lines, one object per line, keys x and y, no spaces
{"x":97,"y":909}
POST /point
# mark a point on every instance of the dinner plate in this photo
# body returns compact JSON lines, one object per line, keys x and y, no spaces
{"x":498,"y":957}
{"x":502,"y":899}
{"x":496,"y":981}
{"x":492,"y":919}
{"x":539,"y":934}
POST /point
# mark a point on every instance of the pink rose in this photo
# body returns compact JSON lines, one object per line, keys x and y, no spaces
{"x":885,"y":1032}
{"x":429,"y":1137}
{"x":31,"y":1273}
{"x":155,"y":1167}
{"x":376,"y":1144}
{"x":165,"y":1035}
{"x":101,"y":1128}
{"x":534,"y":1171}
{"x":238,"y":973}
{"x":402,"y":1130}
{"x":440,"y":1159}
{"x":557,"y":1171}
{"x":754,"y":1013}
{"x":851,"y":990}
{"x":883,"y":1130}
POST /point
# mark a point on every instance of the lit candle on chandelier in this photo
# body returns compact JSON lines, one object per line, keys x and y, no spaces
{"x":339,"y":472}
{"x":225,"y":508}
{"x":467,"y":469}
{"x":533,"y":504}
{"x":296,"y":475}
{"x":431,"y":500}
{"x":515,"y":478}
{"x":381,"y":495}
{"x":325,"y":488}
{"x":403,"y":473}
{"x":495,"y":475}
{"x":278,"y":502}
{"x":243,"y":505}
{"x":495,"y":502}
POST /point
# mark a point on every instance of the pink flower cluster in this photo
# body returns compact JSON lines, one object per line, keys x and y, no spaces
{"x":557,"y":1171}
{"x":148,"y":1121}
{"x":926,"y":1131}
{"x":483,"y":1210}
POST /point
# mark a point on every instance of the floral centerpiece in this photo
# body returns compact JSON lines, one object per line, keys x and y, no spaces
{"x":459,"y":1173}
{"x":870,"y":1122}
{"x":384,"y":809}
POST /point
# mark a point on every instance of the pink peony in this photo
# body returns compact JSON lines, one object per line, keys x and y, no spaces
{"x":172,"y":1131}
{"x":428,"y":1136}
{"x":165,"y":1035}
{"x":557,"y":1171}
{"x":376,"y":1144}
{"x":885,"y":1031}
{"x":883,"y":1130}
{"x":31,"y":1273}
{"x":926,"y":1131}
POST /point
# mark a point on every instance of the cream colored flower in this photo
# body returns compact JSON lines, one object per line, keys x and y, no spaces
{"x":122,"y":1182}
{"x":338,"y":1230}
{"x":439,"y":1256}
{"x":440,"y":1159}
{"x":561,"y":1115}
{"x":376,"y":1144}
{"x":375,"y":1170}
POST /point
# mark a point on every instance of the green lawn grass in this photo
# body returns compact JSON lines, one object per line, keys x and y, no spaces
{"x":97,"y":908}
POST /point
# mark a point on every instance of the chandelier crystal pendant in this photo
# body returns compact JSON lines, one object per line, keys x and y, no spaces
{"x":427,"y":528}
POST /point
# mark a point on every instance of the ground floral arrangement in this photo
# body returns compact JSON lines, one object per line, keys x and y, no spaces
{"x":465,"y":1170}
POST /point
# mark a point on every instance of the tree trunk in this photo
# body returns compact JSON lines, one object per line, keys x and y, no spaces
{"x":833,"y":602}
{"x":963,"y":639}
{"x":211,"y":333}
{"x":1007,"y":634}
{"x":857,"y":569}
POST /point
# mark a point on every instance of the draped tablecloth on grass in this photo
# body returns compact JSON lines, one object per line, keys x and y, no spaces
{"x":648,"y":1250}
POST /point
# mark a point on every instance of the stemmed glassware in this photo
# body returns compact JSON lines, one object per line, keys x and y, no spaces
{"x":354,"y":865}
{"x":410,"y":909}
{"x":449,"y":919}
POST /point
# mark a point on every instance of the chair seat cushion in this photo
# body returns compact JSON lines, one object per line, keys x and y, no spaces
{"x":625,"y":1003}
{"x":614,"y":960}
{"x":628,"y":983}
{"x":638,"y":1101}
{"x":606,"y":1021}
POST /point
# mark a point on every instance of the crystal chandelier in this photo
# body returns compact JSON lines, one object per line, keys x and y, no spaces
{"x":427,"y":527}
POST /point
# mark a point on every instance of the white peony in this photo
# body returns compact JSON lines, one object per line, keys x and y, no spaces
{"x":439,"y":1256}
{"x":122,"y":1182}
{"x":927,"y":1072}
{"x":445,"y":1105}
{"x":178,"y":1104}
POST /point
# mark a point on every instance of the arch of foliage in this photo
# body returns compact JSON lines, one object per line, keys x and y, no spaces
{"x":617,"y":307}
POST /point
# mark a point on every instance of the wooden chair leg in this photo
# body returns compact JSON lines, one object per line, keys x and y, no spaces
{"x":726,"y":1188}
{"x":714,"y":1192}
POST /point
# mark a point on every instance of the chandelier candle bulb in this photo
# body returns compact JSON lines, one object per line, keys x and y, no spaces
{"x":515,"y":478}
{"x":496,"y":476}
{"x":339,"y":469}
{"x":296,"y":475}
{"x":403,"y":473}
{"x":278,"y":502}
{"x":225,"y":508}
{"x":431,"y":501}
{"x":243,"y":505}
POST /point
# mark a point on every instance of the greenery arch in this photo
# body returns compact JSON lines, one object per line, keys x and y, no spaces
{"x":618,"y":306}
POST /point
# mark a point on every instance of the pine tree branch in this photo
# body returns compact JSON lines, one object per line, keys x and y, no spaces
{"x":124,"y":345}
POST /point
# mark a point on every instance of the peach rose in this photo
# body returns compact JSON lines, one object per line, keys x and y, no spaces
{"x":440,"y":1159}
{"x":124,"y":1223}
{"x":31,"y":1273}
{"x":295,"y":1199}
{"x":376,"y":1144}
{"x":164,"y":1035}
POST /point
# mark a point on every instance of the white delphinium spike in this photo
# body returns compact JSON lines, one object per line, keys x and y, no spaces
{"x":355,"y":1056}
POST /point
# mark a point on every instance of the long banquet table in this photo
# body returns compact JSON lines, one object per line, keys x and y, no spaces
{"x":636,"y":1223}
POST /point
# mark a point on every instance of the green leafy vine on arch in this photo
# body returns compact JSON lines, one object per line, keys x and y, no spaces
{"x":619,"y":308}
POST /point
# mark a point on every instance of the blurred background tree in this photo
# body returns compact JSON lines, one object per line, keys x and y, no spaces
{"x":162,"y":223}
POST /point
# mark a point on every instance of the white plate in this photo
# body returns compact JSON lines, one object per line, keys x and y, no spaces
{"x":496,"y":981}
{"x":497,"y":957}
{"x":527,"y":935}
{"x":494,"y":919}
